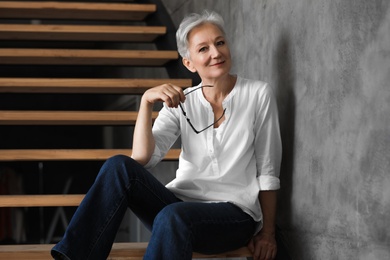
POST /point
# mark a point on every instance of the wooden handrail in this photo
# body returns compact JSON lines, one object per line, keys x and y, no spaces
{"x":80,"y":32}
{"x":86,"y":57}
{"x":78,"y":85}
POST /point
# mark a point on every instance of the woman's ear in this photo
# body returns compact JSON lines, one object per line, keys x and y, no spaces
{"x":188,"y":64}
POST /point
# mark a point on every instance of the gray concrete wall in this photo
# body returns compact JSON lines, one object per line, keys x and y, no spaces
{"x":329,"y":64}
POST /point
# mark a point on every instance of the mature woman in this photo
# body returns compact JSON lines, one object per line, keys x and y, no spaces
{"x":223,"y":196}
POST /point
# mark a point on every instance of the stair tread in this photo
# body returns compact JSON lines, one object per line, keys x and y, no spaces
{"x":52,"y":200}
{"x":70,"y":154}
{"x":75,"y":10}
{"x":22,"y":117}
{"x":119,"y":251}
{"x":84,"y":85}
{"x":80,"y":32}
{"x":86,"y":57}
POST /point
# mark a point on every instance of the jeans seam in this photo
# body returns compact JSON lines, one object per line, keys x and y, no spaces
{"x":187,"y":242}
{"x":105,"y":225}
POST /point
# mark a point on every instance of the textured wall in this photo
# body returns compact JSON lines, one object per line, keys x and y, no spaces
{"x":329,"y":63}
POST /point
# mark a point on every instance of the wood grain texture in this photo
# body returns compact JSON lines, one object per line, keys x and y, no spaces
{"x":70,"y":154}
{"x":74,"y":10}
{"x":78,"y":85}
{"x":120,"y":251}
{"x":69,"y":117}
{"x":86,"y":57}
{"x":80,"y":32}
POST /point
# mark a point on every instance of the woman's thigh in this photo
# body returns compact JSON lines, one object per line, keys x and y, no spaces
{"x":213,"y":227}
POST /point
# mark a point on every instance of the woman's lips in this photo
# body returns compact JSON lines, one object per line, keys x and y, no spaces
{"x":219,"y":63}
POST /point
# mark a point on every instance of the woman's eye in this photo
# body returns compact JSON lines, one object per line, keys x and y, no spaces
{"x":202,"y":49}
{"x":219,"y":43}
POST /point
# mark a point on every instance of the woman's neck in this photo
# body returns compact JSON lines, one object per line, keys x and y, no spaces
{"x":221,"y":88}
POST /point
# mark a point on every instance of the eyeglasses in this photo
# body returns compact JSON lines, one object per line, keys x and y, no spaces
{"x":189,"y":121}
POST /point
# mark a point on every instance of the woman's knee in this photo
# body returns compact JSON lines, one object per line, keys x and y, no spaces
{"x":119,"y":159}
{"x":121,"y":162}
{"x":118,"y":166}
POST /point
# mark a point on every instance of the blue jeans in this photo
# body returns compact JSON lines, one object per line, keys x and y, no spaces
{"x":178,"y":228}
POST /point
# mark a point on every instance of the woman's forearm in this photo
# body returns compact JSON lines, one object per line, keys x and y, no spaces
{"x":143,"y":140}
{"x":268,"y":201}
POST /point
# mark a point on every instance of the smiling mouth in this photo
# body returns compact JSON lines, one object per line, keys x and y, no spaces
{"x":219,"y":63}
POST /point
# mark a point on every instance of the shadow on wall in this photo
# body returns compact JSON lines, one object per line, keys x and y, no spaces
{"x":284,"y":90}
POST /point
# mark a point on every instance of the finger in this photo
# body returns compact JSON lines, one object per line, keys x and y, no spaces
{"x":167,"y":100}
{"x":257,"y":253}
{"x":270,"y":253}
{"x":251,"y":246}
{"x":172,"y":97}
{"x":182,"y":96}
{"x":180,"y":92}
{"x":155,"y":94}
{"x":274,"y":252}
{"x":263,"y":253}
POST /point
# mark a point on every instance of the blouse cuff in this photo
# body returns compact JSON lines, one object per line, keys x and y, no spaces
{"x":268,"y":182}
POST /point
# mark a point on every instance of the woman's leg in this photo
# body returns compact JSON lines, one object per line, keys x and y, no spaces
{"x":209,"y":228}
{"x":121,"y":183}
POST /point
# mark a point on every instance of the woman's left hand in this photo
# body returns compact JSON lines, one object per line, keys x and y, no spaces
{"x":263,"y":246}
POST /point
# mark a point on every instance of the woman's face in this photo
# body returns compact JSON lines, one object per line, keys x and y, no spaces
{"x":209,"y":52}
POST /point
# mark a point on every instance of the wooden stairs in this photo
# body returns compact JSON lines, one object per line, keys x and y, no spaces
{"x":56,"y":59}
{"x":75,"y":57}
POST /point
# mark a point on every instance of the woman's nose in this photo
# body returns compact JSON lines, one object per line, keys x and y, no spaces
{"x":215,"y":53}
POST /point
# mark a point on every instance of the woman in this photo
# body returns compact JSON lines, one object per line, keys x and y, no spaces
{"x":223,"y":196}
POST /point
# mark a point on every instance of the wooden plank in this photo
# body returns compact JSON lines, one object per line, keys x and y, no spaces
{"x":135,"y":251}
{"x":9,"y":155}
{"x":86,"y":57}
{"x":63,"y":200}
{"x":69,"y":117}
{"x":119,"y":251}
{"x":75,"y":10}
{"x":80,"y":32}
{"x":76,"y":85}
{"x":26,"y":252}
{"x":138,"y":250}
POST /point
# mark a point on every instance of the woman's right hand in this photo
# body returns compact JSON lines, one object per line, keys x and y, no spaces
{"x":170,"y":94}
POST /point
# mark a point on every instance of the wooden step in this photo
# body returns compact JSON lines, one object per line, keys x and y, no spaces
{"x":74,"y":10}
{"x":10,"y":155}
{"x":80,"y":32}
{"x":86,"y":57}
{"x":68,"y":85}
{"x":62,"y":200}
{"x":119,"y":251}
{"x":69,"y":117}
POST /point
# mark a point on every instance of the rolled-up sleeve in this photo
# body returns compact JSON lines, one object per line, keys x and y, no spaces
{"x":268,"y":145}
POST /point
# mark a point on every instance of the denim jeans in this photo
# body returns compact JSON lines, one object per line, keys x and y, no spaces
{"x":178,"y":228}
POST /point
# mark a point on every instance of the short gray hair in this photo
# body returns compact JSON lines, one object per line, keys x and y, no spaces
{"x":190,"y":22}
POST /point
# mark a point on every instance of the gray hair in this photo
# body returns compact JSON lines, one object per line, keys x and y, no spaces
{"x":190,"y":22}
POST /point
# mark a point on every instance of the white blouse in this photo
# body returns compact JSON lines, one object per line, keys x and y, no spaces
{"x":232,"y":162}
